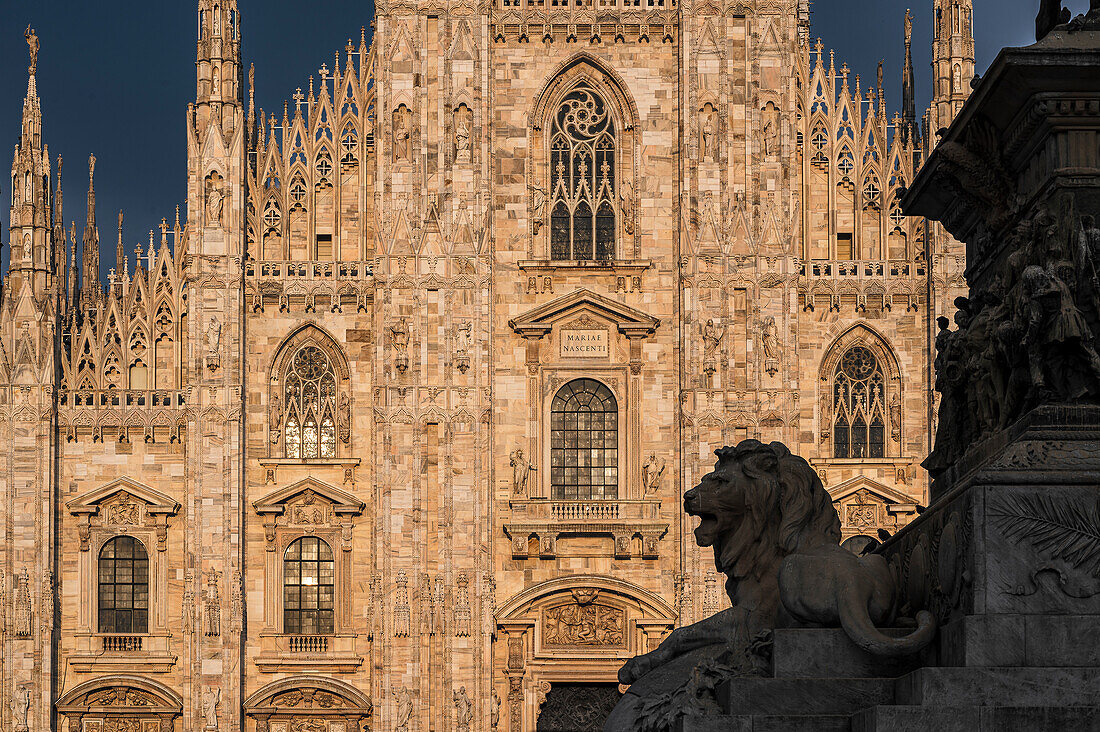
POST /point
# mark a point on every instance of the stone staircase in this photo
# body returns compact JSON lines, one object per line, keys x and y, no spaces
{"x":980,"y":676}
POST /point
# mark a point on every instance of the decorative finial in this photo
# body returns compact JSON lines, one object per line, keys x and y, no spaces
{"x":880,"y":65}
{"x":908,"y":28}
{"x":91,"y":170}
{"x":32,"y":42}
{"x":298,"y":99}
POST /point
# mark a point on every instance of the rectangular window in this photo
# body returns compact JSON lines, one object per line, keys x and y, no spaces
{"x":324,"y":247}
{"x":843,"y":246}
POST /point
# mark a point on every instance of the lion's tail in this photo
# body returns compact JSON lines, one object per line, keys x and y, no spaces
{"x":856,"y":622}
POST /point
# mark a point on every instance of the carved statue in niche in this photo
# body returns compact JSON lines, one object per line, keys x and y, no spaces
{"x":895,"y":416}
{"x":521,"y":471}
{"x":771,"y":122}
{"x":402,"y":134}
{"x":22,"y":617}
{"x":462,"y":345}
{"x":402,"y":713}
{"x":652,"y":472}
{"x":776,"y":537}
{"x":537,"y":192}
{"x":28,"y":250}
{"x":345,"y":417}
{"x":20,"y":705}
{"x":712,"y":337}
{"x":627,"y":207}
{"x":210,"y":699}
{"x":212,"y":610}
{"x":463,"y":120}
{"x":464,"y":710}
{"x":708,"y":132}
{"x":494,"y":709}
{"x":769,"y":334}
{"x":215,"y":199}
{"x":276,"y":418}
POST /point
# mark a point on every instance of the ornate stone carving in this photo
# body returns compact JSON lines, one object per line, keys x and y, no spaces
{"x":464,"y":710}
{"x":123,"y":511}
{"x":1056,"y":529}
{"x":708,"y":132}
{"x":212,"y":609}
{"x":653,"y":472}
{"x":399,"y":341}
{"x":211,"y":697}
{"x":521,"y":472}
{"x":463,"y":121}
{"x":22,"y":619}
{"x":401,"y":610}
{"x":462,"y":607}
{"x":769,"y":335}
{"x":462,"y":345}
{"x":403,"y":707}
{"x":20,"y":705}
{"x":33,"y":45}
{"x":712,"y":335}
{"x":494,"y":709}
{"x":583,"y":622}
{"x":402,"y":134}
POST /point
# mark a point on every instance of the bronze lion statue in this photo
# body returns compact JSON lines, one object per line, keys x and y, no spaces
{"x":776,"y":537}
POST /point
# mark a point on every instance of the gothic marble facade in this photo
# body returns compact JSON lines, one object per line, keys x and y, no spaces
{"x":391,"y":427}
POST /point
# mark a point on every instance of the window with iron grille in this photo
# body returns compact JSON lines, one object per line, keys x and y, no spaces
{"x":123,"y":586}
{"x":584,"y":439}
{"x":859,"y":399}
{"x":309,"y":587}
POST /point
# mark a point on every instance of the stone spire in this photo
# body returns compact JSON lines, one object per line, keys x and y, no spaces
{"x":90,"y":289}
{"x":218,"y":60}
{"x":952,"y":60}
{"x":908,"y":85}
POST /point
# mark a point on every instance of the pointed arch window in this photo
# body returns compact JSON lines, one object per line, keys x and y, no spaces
{"x":123,"y":580}
{"x":584,"y":440}
{"x":859,"y":405}
{"x":309,"y":399}
{"x":583,"y":178}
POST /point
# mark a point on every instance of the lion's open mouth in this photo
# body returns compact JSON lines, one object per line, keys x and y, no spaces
{"x":707,"y":531}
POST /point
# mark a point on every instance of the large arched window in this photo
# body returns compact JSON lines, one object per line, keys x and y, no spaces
{"x":309,"y":588}
{"x":309,"y":404}
{"x":123,"y":586}
{"x":584,"y":441}
{"x":583,"y":178}
{"x":859,"y":406}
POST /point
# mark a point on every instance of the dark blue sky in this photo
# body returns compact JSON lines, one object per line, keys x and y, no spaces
{"x":117,"y":83}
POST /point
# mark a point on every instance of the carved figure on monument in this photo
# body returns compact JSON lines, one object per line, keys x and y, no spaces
{"x":1051,"y":14}
{"x":627,"y":200}
{"x":464,"y":710}
{"x":403,"y":711}
{"x":776,"y":537}
{"x":22,"y":617}
{"x":908,"y":27}
{"x":652,"y":473}
{"x":215,"y":199}
{"x":1088,"y":268}
{"x":1061,"y":356}
{"x":494,"y":709}
{"x":33,"y":44}
{"x":521,"y":472}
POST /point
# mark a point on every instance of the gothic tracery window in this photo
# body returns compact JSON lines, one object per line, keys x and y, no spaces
{"x":859,"y":406}
{"x":309,"y":587}
{"x":584,"y":439}
{"x":123,"y":586}
{"x":309,"y":405}
{"x":583,"y":178}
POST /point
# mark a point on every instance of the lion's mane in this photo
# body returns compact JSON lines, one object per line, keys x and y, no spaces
{"x":788,"y":508}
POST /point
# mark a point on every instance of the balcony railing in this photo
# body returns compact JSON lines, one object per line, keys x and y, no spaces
{"x":309,"y":644}
{"x":121,"y":643}
{"x":325,"y":271}
{"x":839,"y":269}
{"x":585,"y":511}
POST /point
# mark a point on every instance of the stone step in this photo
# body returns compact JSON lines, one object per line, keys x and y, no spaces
{"x":769,"y":723}
{"x":801,"y":653}
{"x":1025,"y":687}
{"x":1019,"y":640}
{"x":755,"y":696}
{"x":977,"y":719}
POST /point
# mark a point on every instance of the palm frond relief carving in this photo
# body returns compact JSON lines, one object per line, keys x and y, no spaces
{"x":1057,"y":529}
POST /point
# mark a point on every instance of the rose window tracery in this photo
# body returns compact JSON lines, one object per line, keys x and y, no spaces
{"x":583,"y":179}
{"x":310,"y":403}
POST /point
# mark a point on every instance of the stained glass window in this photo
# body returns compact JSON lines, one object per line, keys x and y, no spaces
{"x":584,"y":442}
{"x":309,"y":587}
{"x":310,"y":405}
{"x":859,"y":399}
{"x":583,"y":181}
{"x":123,"y":586}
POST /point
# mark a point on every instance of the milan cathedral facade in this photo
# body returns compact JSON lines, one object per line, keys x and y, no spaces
{"x":389,"y":427}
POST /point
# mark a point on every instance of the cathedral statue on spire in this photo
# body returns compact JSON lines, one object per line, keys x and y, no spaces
{"x":32,"y":42}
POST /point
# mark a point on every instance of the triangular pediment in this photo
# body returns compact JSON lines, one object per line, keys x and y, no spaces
{"x":883,"y":492}
{"x":309,"y":489}
{"x":540,"y":321}
{"x":155,"y":501}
